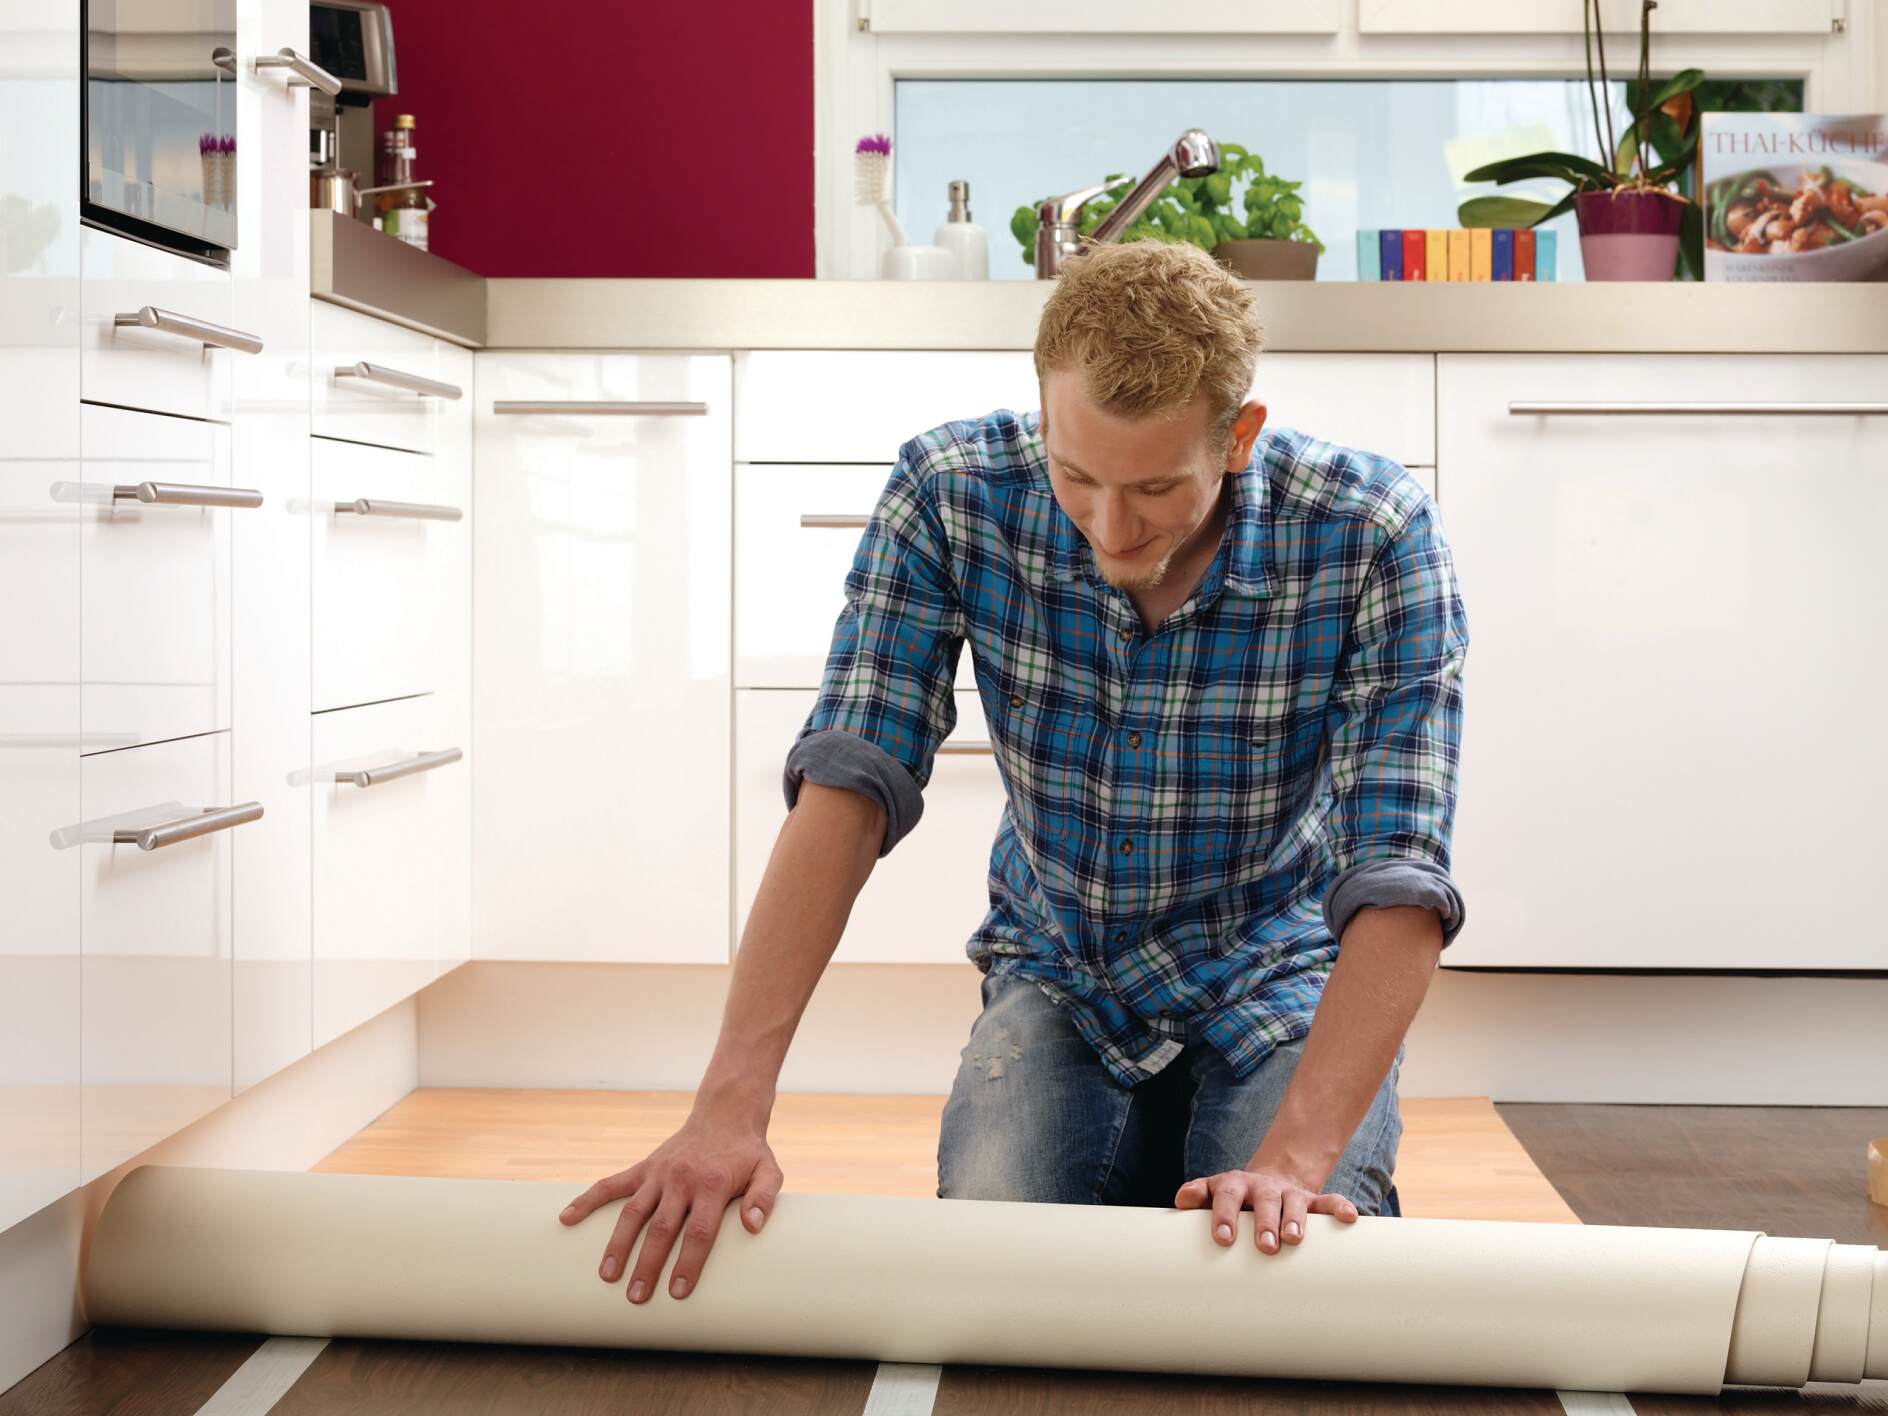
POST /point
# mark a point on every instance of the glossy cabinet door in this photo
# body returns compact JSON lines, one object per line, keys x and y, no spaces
{"x":379,"y":403}
{"x":136,"y":365}
{"x":450,"y":580}
{"x":270,"y":734}
{"x":1671,"y":749}
{"x":925,"y":899}
{"x":156,"y":577}
{"x":601,"y":630}
{"x":386,"y":783}
{"x":824,"y":406}
{"x":157,"y":944}
{"x":796,"y":530}
{"x":39,"y":628}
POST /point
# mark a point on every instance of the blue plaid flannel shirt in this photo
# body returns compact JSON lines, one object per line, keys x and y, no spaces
{"x":1193,"y":814}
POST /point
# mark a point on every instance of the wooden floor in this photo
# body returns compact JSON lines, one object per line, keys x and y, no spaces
{"x":1782,"y":1170}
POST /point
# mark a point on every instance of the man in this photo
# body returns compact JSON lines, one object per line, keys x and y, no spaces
{"x":1222,"y":671}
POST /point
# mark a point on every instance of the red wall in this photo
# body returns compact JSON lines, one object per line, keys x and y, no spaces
{"x":613,"y":137}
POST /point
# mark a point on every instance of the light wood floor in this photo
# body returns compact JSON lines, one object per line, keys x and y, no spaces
{"x":1458,"y":1160}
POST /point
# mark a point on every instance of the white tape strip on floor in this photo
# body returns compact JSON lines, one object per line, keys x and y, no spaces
{"x":1595,"y":1403}
{"x":903,"y":1389}
{"x":255,"y":1387}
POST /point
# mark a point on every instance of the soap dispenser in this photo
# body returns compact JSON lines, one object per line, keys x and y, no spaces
{"x":963,"y":238}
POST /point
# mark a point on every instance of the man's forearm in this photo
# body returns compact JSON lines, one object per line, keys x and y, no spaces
{"x":823,"y":857}
{"x":1383,"y":968}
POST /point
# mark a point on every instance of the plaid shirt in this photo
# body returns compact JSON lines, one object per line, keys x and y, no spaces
{"x":1184,"y":805}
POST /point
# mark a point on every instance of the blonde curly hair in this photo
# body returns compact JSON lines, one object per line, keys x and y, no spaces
{"x":1150,"y":324}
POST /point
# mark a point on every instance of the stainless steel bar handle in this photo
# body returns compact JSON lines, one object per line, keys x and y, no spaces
{"x":1713,"y":410}
{"x":399,"y":378}
{"x":413,"y":511}
{"x":965,"y":747}
{"x":832,"y":520}
{"x":186,"y":494}
{"x":188,"y":828}
{"x":170,"y":322}
{"x":306,"y":70}
{"x":608,"y":408}
{"x":425,"y":762}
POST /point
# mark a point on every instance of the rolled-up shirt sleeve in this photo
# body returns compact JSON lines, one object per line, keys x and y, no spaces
{"x":885,"y":699}
{"x":1395,"y":734}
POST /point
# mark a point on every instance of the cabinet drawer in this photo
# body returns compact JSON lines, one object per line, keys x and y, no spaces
{"x":155,"y":583}
{"x":790,"y":567}
{"x":944,"y":863}
{"x":381,"y":883}
{"x":386,"y":403}
{"x":382,"y":596}
{"x":135,"y":366}
{"x":854,"y":406}
{"x":860,"y":406}
{"x":156,"y":958}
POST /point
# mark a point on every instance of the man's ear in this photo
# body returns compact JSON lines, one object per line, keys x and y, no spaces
{"x":1245,"y":431}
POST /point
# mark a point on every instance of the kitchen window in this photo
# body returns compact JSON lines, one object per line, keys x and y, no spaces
{"x":1371,"y":153}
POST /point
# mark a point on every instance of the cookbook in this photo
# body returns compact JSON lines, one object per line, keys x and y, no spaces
{"x":1794,"y":196}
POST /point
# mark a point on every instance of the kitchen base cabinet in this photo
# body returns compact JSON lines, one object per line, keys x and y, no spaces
{"x":601,"y":701}
{"x":1671,"y":755}
{"x":136,"y":364}
{"x":925,"y":899}
{"x":156,"y":921}
{"x":389,"y":793}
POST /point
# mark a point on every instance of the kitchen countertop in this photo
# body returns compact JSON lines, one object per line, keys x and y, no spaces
{"x":356,"y":266}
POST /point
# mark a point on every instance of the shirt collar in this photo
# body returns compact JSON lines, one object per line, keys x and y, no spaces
{"x":1243,"y":565}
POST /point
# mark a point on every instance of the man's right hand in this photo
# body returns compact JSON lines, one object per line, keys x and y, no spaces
{"x":683,"y":1188}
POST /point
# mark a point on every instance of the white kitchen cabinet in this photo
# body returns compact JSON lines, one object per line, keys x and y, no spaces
{"x":388,"y":781}
{"x":378,"y":382}
{"x":389,"y":529}
{"x":39,"y":628}
{"x":943,"y":863}
{"x":832,"y":406}
{"x":1670,"y":749}
{"x":602,"y":634}
{"x":796,"y":530}
{"x":450,"y":583}
{"x":140,"y":366}
{"x":157,"y":941}
{"x":269,"y":741}
{"x":156,"y":585}
{"x":1563,"y":17}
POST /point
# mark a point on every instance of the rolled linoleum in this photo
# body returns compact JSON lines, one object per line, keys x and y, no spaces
{"x":892,"y":1279}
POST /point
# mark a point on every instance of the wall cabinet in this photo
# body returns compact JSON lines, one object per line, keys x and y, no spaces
{"x":1669,"y":749}
{"x":602,"y":608}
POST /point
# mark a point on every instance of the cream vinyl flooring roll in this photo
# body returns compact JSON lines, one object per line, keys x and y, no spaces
{"x":895,"y":1279}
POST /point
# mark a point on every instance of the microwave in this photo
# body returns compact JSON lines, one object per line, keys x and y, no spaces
{"x":158,"y":123}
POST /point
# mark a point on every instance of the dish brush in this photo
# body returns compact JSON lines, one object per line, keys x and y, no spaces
{"x":871,"y":181}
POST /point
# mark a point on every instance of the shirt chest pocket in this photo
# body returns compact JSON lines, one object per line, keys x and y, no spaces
{"x":1248,"y":771}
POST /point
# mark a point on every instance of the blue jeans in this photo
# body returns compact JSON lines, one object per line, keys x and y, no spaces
{"x":1034,"y":1115}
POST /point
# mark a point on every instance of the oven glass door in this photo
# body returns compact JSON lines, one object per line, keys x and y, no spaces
{"x":160,"y":120}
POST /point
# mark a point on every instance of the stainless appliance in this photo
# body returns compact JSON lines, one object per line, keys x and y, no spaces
{"x":159,"y":116}
{"x":353,"y":40}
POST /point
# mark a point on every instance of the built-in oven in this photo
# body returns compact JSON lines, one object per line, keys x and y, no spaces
{"x":159,"y":115}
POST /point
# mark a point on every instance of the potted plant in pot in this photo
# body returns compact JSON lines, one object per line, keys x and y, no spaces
{"x":1633,"y":226}
{"x":1270,"y":242}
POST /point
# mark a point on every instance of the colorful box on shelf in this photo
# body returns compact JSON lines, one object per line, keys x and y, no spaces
{"x":1474,"y":253}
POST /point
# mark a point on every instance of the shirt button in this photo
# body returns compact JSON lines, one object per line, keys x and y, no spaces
{"x":1134,"y":739}
{"x":1126,"y":635}
{"x":1127,"y":846}
{"x":1120,"y":936}
{"x":1016,"y":700}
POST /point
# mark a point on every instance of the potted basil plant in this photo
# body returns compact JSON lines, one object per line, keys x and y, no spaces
{"x":1632,"y":225}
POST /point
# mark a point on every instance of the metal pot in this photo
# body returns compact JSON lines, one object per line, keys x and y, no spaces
{"x":333,"y":189}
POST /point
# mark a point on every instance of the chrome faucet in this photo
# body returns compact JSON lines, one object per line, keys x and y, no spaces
{"x":1059,"y":219}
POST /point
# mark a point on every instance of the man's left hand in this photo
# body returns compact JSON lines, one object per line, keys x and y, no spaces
{"x":1279,"y":1203}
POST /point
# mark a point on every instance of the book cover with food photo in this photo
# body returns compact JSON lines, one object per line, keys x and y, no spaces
{"x":1794,"y":196}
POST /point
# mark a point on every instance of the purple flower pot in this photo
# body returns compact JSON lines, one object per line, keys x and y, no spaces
{"x":1627,"y":234}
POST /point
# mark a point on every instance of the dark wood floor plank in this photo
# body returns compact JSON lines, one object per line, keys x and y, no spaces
{"x":1045,"y":1391}
{"x":1787,"y":1170}
{"x":1818,"y":1399}
{"x":130,"y":1372}
{"x":352,"y":1378}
